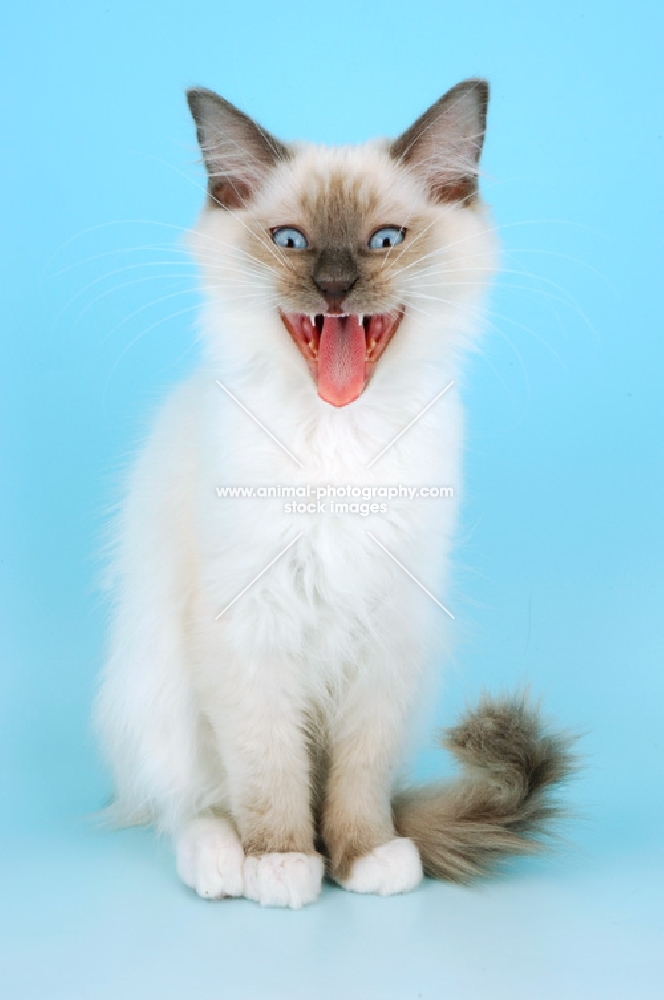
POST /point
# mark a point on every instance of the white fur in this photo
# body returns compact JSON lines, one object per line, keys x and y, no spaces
{"x":391,"y":868}
{"x":291,"y":879}
{"x":192,"y":710}
{"x":210,"y":859}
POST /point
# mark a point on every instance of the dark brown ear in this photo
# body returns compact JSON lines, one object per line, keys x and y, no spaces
{"x":443,"y":146}
{"x":238,"y":153}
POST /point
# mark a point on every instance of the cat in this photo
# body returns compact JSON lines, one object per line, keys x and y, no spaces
{"x":264,"y":667}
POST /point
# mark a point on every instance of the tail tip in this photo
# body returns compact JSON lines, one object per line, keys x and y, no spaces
{"x":508,"y":734}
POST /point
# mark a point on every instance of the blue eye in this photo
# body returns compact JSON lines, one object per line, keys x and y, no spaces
{"x":386,"y":237}
{"x":290,"y":238}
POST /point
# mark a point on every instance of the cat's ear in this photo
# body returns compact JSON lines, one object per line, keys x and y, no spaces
{"x":238,"y":153}
{"x":444,"y":145}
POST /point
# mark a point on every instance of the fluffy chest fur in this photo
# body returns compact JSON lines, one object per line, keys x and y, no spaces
{"x":336,"y":572}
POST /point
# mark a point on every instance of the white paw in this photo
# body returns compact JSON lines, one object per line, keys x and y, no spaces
{"x":392,"y":867}
{"x":283,"y":879}
{"x":209,"y":858}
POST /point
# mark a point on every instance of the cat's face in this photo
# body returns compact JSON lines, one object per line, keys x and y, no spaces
{"x":340,"y":243}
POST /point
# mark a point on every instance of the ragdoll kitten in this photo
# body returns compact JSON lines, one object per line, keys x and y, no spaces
{"x":264,"y":664}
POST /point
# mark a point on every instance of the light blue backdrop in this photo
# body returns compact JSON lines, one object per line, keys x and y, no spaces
{"x":560,"y":567}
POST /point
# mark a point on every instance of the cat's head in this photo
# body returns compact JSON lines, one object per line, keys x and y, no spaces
{"x":344,"y":247}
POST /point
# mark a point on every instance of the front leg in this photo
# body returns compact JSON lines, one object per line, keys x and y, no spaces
{"x":365,"y":853}
{"x":261,"y":736}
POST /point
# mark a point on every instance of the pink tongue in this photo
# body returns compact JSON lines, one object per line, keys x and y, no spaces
{"x":341,"y":359}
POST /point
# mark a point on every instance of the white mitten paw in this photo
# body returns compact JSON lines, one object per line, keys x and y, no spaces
{"x":391,"y":868}
{"x":209,"y":858}
{"x":289,"y":879}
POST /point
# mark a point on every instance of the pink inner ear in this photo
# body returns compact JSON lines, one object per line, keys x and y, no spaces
{"x":229,"y":192}
{"x":459,"y":189}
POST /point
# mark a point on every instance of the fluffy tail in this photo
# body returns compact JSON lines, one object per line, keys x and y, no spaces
{"x":502,"y":805}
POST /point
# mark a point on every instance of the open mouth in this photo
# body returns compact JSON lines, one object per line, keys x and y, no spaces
{"x":341,"y":350}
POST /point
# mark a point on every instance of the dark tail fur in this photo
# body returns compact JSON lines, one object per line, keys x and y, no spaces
{"x":502,"y":805}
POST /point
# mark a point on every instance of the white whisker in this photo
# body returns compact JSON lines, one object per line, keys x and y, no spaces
{"x":143,"y":333}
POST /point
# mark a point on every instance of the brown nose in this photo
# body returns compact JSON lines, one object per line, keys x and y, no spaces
{"x":334,"y":274}
{"x":334,"y":292}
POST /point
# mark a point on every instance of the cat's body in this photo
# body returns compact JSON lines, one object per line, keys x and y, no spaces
{"x":259,"y":728}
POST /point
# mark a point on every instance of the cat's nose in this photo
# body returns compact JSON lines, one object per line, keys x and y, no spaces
{"x":334,"y":292}
{"x":334,"y":274}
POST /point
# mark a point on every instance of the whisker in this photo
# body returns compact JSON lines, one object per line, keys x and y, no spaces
{"x":270,"y":247}
{"x":484,"y":312}
{"x":128,"y":284}
{"x":104,"y":277}
{"x":227,"y":249}
{"x":142,"y":308}
{"x":565,"y":298}
{"x":501,"y":333}
{"x":491,"y":229}
{"x":163,"y":247}
{"x":143,"y":333}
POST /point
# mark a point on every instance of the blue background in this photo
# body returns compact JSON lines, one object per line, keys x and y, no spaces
{"x":559,"y":581}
